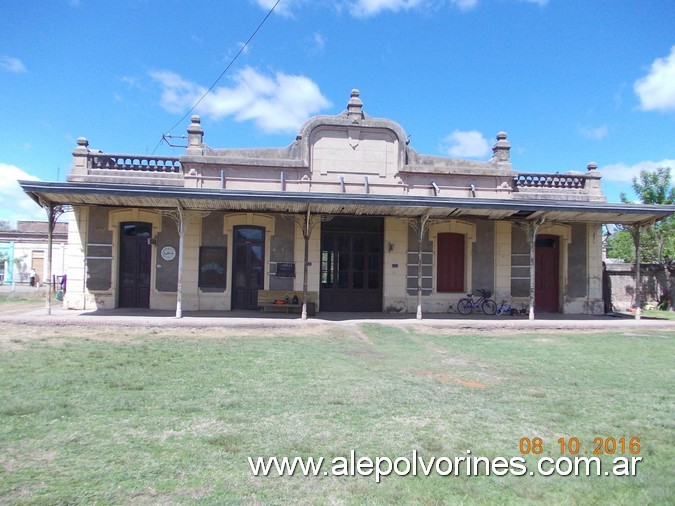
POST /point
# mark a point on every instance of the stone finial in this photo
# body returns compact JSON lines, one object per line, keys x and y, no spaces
{"x":501,"y":148}
{"x":82,"y":146}
{"x":592,"y":186}
{"x":355,"y":106}
{"x":80,"y":157}
{"x":195,"y":136}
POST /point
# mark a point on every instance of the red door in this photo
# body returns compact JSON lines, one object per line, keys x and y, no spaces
{"x":450,"y":272}
{"x":547,"y":275}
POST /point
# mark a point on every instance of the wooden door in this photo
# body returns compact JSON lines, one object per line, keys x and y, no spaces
{"x":351,"y":264}
{"x":134,"y":265}
{"x":547,"y":273}
{"x":248,"y":266}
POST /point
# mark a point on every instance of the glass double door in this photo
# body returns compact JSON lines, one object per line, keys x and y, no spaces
{"x":351,"y":264}
{"x":248,"y":266}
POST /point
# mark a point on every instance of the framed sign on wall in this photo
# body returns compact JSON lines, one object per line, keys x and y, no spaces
{"x":285,"y":269}
{"x":212,"y":267}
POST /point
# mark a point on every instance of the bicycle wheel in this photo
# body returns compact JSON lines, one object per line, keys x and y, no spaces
{"x":464,"y":306}
{"x":489,"y":306}
{"x":498,"y":312}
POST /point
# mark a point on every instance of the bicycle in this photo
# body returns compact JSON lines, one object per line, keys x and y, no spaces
{"x":506,"y":308}
{"x":484,"y":303}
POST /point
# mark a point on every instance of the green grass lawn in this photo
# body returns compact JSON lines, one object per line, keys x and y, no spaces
{"x":655,"y":313}
{"x":129,"y":416}
{"x":22,"y":297}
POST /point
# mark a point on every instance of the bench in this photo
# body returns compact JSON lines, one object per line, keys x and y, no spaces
{"x":267,"y":299}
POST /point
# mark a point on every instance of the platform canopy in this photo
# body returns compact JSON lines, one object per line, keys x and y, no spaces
{"x":438,"y":207}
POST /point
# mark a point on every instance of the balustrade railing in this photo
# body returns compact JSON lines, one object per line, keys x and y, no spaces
{"x":141,"y":163}
{"x":560,"y":181}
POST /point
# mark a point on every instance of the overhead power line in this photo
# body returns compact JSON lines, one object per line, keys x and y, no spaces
{"x":234,"y":59}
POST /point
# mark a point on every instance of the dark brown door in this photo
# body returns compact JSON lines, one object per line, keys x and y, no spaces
{"x":134,"y":265}
{"x":351,"y":264}
{"x":248,"y":266}
{"x":450,"y":270}
{"x":547,"y":275}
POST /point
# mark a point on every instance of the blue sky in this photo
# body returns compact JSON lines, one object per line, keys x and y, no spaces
{"x":570,"y":81}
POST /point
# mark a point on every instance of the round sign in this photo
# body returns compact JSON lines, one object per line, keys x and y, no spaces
{"x":168,"y":253}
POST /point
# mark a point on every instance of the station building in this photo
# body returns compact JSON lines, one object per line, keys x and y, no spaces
{"x":349,"y":212}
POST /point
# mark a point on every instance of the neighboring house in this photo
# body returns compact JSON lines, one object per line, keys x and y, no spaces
{"x":375,"y":225}
{"x":26,"y":248}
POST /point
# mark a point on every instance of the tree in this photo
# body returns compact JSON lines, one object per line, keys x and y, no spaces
{"x":656,"y":188}
{"x":620,"y":246}
{"x":658,"y":240}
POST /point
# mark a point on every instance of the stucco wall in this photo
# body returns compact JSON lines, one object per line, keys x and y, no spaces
{"x":99,"y":250}
{"x":484,"y":257}
{"x":520,"y":263}
{"x":622,"y":284}
{"x":577,"y":261}
{"x":166,"y":271}
{"x":282,"y":249}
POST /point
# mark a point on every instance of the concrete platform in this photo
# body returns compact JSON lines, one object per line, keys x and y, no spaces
{"x":36,"y":315}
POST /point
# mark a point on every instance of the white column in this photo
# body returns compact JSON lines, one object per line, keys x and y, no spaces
{"x":181,"y":223}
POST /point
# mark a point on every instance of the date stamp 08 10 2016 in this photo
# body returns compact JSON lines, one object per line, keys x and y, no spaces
{"x":572,"y":446}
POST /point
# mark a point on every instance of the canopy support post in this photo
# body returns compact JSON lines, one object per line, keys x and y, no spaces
{"x":181,"y":223}
{"x":306,"y":231}
{"x":636,"y":232}
{"x":420,"y":225}
{"x":181,"y":218}
{"x":531,"y":229}
{"x":53,"y":214}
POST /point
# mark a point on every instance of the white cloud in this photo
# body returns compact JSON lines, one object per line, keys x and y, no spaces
{"x":319,"y":42}
{"x":276,"y":104}
{"x":131,"y":82}
{"x":594,"y":132}
{"x":465,"y":5}
{"x":366,"y":8}
{"x":656,"y":90}
{"x":13,"y":65}
{"x":243,"y":47}
{"x":14,"y":203}
{"x":284,"y":8}
{"x":466,"y":144}
{"x":623,"y":172}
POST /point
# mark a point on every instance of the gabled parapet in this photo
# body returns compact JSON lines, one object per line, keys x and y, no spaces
{"x":350,"y":152}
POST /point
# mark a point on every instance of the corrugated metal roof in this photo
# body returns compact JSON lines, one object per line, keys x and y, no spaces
{"x":162,"y":197}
